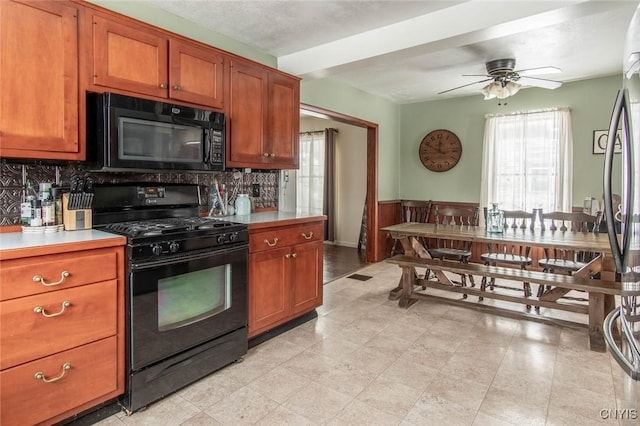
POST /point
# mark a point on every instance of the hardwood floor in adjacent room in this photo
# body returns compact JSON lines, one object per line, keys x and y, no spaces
{"x":340,"y":261}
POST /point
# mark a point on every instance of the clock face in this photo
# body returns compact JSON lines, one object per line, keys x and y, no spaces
{"x":440,"y":150}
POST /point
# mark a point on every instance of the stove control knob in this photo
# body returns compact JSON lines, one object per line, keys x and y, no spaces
{"x":221,"y":238}
{"x":174,"y":247}
{"x":233,"y":236}
{"x":156,"y":249}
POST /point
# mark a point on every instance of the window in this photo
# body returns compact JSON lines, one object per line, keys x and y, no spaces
{"x":527,"y":161}
{"x":310,"y":176}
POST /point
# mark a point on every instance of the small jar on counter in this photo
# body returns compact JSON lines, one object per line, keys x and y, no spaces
{"x":243,"y":205}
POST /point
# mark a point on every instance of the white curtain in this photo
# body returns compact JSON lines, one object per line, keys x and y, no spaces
{"x":310,"y":176}
{"x":527,"y":161}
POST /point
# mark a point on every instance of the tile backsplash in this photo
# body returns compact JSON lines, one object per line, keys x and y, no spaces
{"x":14,"y":175}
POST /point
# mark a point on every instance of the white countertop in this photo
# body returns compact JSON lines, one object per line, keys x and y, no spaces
{"x":19,"y":240}
{"x":265,"y":217}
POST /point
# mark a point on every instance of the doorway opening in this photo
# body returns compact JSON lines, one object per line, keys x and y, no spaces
{"x":371,"y":196}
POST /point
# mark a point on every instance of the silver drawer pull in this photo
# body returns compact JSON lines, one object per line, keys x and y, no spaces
{"x":40,"y":375}
{"x":286,"y":256}
{"x":308,"y":237}
{"x":40,"y":310}
{"x":294,"y":255}
{"x":275,"y":241}
{"x":40,"y":279}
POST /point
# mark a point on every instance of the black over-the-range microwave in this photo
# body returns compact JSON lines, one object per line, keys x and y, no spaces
{"x":132,"y":134}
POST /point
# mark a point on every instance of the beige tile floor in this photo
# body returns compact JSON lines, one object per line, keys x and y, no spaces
{"x":365,"y":361}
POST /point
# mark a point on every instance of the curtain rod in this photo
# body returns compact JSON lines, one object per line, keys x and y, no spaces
{"x":319,"y":131}
{"x":532,"y":111}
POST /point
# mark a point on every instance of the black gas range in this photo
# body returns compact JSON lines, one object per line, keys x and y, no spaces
{"x":186,"y":284}
{"x":161,"y":220}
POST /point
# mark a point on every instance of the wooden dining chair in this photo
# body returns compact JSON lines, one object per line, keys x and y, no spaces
{"x":557,"y":260}
{"x":452,"y":249}
{"x":412,"y":211}
{"x":510,"y":254}
{"x":567,"y":261}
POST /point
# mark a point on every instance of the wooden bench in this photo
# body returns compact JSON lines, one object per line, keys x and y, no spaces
{"x":600,"y":299}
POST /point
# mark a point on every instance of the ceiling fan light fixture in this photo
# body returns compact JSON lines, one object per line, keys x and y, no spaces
{"x":500,"y":90}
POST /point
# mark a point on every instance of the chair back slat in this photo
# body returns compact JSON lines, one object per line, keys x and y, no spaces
{"x":516,"y":219}
{"x":575,"y":222}
{"x":456,"y":216}
{"x":415,"y":211}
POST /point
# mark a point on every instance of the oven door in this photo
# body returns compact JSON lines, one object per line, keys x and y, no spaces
{"x":179,"y":303}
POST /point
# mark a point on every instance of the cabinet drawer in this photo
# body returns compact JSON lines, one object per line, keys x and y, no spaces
{"x":27,"y":335}
{"x":35,"y":275}
{"x":92,"y":374}
{"x":283,"y":237}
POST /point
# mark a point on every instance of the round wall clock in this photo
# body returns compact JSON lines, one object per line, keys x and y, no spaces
{"x":440,"y":150}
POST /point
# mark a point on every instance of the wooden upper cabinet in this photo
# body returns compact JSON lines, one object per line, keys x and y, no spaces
{"x":128,"y":58}
{"x":196,"y":74}
{"x":284,"y":120}
{"x":39,"y":101}
{"x":141,"y":60}
{"x":265,"y":117}
{"x":246,"y":147}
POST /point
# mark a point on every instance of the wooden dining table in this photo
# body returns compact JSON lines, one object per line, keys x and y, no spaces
{"x":412,"y":235}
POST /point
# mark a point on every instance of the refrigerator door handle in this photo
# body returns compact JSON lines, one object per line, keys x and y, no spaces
{"x":632,"y":368}
{"x":618,"y":110}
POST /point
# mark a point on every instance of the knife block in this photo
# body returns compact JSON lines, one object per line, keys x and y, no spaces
{"x":75,"y":219}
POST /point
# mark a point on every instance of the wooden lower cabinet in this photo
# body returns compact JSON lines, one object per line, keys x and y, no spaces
{"x":38,"y":391}
{"x":284,"y":281}
{"x":62,"y":331}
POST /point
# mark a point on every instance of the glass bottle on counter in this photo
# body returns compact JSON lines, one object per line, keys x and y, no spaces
{"x":27,"y":205}
{"x":56,"y":195}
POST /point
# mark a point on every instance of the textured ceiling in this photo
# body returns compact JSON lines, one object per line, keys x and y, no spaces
{"x":408,"y":51}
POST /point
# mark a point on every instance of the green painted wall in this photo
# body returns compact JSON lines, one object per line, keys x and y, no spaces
{"x":338,"y":97}
{"x":591,"y":102}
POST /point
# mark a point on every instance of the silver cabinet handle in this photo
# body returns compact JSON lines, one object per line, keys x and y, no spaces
{"x":40,"y":375}
{"x":286,"y":256}
{"x":40,"y":310}
{"x":272,"y":154}
{"x":40,"y":279}
{"x":308,"y":237}
{"x":266,"y":154}
{"x":163,"y":85}
{"x":294,"y":255}
{"x":275,"y":241}
{"x":177,"y":87}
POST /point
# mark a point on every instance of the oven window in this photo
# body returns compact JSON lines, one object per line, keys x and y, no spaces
{"x":156,"y":141}
{"x":188,"y":298}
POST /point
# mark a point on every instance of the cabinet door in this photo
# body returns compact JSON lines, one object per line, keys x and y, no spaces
{"x":306,"y":285}
{"x":196,"y":74}
{"x":269,"y":293}
{"x":39,"y":80}
{"x":284,"y":121}
{"x":248,"y":116}
{"x":129,"y":58}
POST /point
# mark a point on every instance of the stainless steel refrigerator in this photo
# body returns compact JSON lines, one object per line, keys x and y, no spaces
{"x":625,"y":244}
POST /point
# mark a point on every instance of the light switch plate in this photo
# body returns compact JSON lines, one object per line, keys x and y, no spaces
{"x":255,"y":190}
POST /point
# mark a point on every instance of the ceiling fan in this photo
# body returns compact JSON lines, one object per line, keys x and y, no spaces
{"x":505,"y":81}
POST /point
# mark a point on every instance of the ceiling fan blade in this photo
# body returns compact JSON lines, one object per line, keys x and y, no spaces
{"x":539,"y":82}
{"x":465,"y":85}
{"x":539,"y":71}
{"x":477,"y":75}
